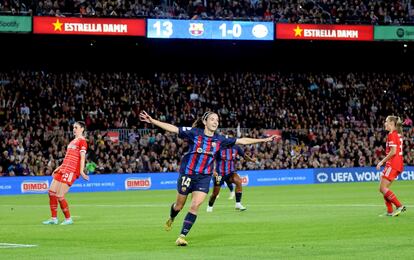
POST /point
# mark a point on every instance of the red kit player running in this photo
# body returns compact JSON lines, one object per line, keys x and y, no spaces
{"x":65,"y":175}
{"x":393,"y":166}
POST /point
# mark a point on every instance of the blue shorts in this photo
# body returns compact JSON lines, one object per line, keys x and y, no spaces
{"x":219,"y":180}
{"x":188,"y":183}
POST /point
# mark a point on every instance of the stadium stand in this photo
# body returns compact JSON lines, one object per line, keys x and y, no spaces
{"x":338,"y":124}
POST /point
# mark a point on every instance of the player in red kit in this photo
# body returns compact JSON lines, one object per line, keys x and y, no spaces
{"x":393,"y":164}
{"x":65,"y":175}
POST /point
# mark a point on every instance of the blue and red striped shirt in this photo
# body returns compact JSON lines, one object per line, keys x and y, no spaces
{"x":226,"y":158}
{"x":202,"y":151}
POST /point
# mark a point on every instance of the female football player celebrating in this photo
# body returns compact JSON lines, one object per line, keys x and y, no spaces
{"x":197,"y":164}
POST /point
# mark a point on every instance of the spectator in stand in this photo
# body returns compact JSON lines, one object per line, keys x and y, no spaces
{"x":351,"y":104}
{"x":90,"y":167}
{"x":284,"y":11}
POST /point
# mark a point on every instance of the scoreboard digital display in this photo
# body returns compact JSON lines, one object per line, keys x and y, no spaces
{"x":213,"y":30}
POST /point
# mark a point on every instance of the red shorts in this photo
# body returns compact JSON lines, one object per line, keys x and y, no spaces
{"x":68,"y":178}
{"x":390,"y":173}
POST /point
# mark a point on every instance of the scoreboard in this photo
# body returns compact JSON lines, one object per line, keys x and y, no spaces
{"x":213,"y":30}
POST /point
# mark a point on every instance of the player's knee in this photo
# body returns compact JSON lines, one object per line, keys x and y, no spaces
{"x":178,"y":206}
{"x":194,"y":209}
{"x":195,"y":205}
{"x":60,"y":198}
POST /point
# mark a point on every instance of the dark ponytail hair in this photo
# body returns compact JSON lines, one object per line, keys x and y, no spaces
{"x":398,"y":123}
{"x":199,"y":121}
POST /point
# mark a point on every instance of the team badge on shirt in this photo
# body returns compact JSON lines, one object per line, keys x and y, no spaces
{"x":213,"y":144}
{"x":72,"y":146}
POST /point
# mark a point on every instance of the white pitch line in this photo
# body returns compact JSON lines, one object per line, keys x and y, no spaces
{"x":167,"y":205}
{"x":94,"y":205}
{"x":8,"y":245}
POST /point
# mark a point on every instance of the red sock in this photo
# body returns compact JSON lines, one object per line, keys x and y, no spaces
{"x":391,"y":197}
{"x":65,"y":207}
{"x":53,"y":203}
{"x":388,"y":204}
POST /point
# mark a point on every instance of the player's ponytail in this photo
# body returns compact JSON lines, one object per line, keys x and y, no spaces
{"x":398,"y":123}
{"x":199,"y":121}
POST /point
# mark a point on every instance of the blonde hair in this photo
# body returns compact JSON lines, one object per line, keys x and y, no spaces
{"x":398,"y":123}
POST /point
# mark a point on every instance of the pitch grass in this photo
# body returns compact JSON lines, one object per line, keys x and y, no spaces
{"x":338,"y":221}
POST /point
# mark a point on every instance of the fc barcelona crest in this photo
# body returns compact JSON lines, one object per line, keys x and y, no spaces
{"x":196,"y":29}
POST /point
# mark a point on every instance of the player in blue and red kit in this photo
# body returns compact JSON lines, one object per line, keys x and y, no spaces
{"x":226,"y":172}
{"x":231,"y":189}
{"x":197,"y":165}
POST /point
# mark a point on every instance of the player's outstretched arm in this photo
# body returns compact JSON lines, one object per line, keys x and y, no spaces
{"x":143,"y":116}
{"x":246,"y":140}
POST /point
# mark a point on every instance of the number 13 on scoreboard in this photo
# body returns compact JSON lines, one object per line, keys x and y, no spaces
{"x":163,"y":29}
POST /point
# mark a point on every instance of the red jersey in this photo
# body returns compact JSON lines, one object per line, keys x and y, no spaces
{"x":395,"y":139}
{"x":71,"y":163}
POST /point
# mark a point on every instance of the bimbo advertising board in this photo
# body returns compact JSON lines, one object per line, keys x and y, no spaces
{"x":168,"y":181}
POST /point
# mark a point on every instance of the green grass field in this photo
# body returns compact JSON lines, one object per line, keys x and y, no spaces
{"x":338,"y":221}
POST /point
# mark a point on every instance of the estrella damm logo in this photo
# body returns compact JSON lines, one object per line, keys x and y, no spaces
{"x":138,"y":183}
{"x":196,"y":29}
{"x":34,"y":186}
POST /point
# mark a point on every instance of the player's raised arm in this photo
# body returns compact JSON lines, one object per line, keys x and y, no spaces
{"x":143,"y":116}
{"x":246,"y":140}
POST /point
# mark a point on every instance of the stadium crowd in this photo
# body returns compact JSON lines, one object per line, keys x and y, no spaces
{"x":298,"y":11}
{"x":325,"y":120}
